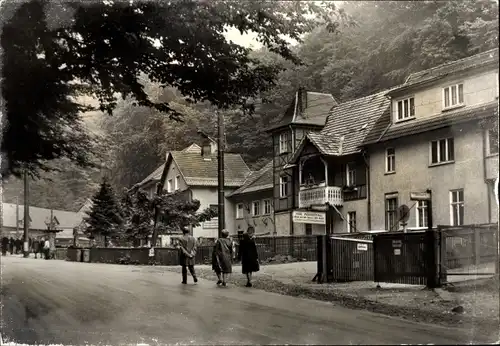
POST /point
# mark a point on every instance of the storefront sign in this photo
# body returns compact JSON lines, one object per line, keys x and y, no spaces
{"x":309,"y":217}
{"x":420,"y":196}
{"x":214,"y":223}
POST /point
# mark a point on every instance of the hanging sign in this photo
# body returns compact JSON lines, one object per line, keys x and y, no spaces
{"x":309,"y":217}
{"x":397,"y":252}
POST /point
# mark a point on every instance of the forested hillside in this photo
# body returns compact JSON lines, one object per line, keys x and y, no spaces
{"x":389,"y":41}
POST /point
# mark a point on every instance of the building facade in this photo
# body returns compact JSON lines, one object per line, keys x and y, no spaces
{"x":441,"y":134}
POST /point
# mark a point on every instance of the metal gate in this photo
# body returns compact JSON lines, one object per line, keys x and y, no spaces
{"x":352,"y":259}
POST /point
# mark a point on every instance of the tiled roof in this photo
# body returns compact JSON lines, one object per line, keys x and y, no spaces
{"x":197,"y":171}
{"x":257,"y":181}
{"x":440,"y":71}
{"x":413,"y":127}
{"x":348,"y":125}
{"x":39,"y":217}
{"x":155,"y":176}
{"x":318,"y":105}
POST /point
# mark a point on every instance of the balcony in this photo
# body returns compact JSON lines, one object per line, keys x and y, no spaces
{"x":320,"y":195}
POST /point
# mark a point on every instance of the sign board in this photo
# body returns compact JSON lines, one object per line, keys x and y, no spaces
{"x":397,"y":252}
{"x":362,"y":247}
{"x":404,"y":213}
{"x":317,"y":218}
{"x":397,"y":243}
{"x":420,"y":196}
{"x":211,"y":224}
{"x":151,"y":252}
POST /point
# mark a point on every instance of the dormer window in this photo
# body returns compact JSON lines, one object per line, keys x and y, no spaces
{"x":283,"y":143}
{"x":453,"y":96}
{"x":406,"y":109}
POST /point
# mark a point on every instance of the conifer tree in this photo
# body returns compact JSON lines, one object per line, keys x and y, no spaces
{"x":105,"y":216}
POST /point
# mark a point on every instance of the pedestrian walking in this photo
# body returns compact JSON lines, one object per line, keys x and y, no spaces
{"x":11,"y":245}
{"x":18,"y":244}
{"x":5,"y":245}
{"x":222,"y":257}
{"x":41,"y":250}
{"x":248,"y":255}
{"x":46,"y":249}
{"x":35,"y":244}
{"x":187,"y":249}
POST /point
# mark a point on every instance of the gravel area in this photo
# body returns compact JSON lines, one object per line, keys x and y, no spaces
{"x":479,"y":299}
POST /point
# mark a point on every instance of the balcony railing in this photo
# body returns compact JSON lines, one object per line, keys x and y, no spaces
{"x":320,"y":195}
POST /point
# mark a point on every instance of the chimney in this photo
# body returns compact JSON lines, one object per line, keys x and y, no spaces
{"x":302,"y":99}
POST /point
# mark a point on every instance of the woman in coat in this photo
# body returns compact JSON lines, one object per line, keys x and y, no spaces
{"x":248,"y":255}
{"x":222,"y":257}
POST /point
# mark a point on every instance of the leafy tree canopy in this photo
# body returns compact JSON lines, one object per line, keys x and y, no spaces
{"x":55,"y":52}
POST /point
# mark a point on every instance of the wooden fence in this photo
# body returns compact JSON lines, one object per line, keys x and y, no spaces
{"x":352,"y":259}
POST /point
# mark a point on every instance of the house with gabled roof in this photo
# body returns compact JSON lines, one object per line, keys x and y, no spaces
{"x":195,"y":171}
{"x":308,"y":112}
{"x":441,"y":133}
{"x":331,"y":170}
{"x":253,"y":202}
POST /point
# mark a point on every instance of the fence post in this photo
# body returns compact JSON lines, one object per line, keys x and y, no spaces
{"x":443,"y":275}
{"x":319,"y":259}
{"x":477,"y":245}
{"x":375,"y":275}
{"x":430,"y":247}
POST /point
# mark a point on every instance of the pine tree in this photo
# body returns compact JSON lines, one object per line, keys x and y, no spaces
{"x":105,"y":216}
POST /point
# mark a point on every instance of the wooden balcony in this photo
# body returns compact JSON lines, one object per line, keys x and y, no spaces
{"x":320,"y":196}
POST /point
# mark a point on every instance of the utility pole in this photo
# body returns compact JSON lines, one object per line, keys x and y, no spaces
{"x":26,"y":215}
{"x":17,"y":216}
{"x":220,"y":162}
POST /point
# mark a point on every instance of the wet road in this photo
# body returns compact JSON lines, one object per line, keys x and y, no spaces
{"x":62,"y":302}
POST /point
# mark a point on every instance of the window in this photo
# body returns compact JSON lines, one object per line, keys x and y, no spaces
{"x":256,"y":208}
{"x":283,"y":142}
{"x":422,"y":214}
{"x":177,"y":179}
{"x":284,"y":186}
{"x":442,"y":150}
{"x":391,"y":209}
{"x":457,"y":207}
{"x":239,"y":211}
{"x":453,"y":96}
{"x":267,"y":206}
{"x":169,"y":185}
{"x":351,"y":174}
{"x":309,"y":229}
{"x":406,"y":108}
{"x":492,"y":142}
{"x":351,"y":222}
{"x":390,"y":160}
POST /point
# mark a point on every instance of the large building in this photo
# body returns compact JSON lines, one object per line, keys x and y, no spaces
{"x":348,"y":167}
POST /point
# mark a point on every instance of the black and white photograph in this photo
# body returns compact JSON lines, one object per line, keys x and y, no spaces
{"x":249,"y":172}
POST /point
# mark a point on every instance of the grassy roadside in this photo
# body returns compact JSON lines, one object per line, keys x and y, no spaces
{"x":429,"y":310}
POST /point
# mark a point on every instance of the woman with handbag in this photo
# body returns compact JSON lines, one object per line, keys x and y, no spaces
{"x":222,"y":257}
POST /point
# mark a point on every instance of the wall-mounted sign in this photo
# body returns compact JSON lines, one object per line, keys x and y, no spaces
{"x":211,"y":224}
{"x":420,"y":196}
{"x":362,"y":247}
{"x":397,"y":252}
{"x":397,"y":243}
{"x":309,"y":217}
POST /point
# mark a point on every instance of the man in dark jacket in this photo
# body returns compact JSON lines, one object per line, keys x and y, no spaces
{"x":5,"y":245}
{"x":187,"y":248}
{"x":36,"y":247}
{"x":11,"y":245}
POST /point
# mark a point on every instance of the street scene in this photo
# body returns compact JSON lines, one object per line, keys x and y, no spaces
{"x":249,"y":172}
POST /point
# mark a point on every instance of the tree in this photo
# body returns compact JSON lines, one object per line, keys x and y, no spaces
{"x":176,"y":212}
{"x":105,"y":216}
{"x":57,"y":51}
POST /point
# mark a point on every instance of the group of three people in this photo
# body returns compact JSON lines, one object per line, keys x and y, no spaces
{"x":222,"y":256}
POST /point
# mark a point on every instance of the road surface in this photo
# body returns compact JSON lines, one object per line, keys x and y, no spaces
{"x":58,"y":302}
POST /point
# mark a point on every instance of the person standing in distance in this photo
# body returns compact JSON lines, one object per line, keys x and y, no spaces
{"x":187,"y":248}
{"x":248,"y":255}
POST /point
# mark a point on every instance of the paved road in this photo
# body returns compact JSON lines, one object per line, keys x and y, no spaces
{"x":49,"y":302}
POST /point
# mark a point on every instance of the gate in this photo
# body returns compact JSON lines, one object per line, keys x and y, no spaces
{"x":469,"y":250}
{"x":352,"y":259}
{"x":406,"y":258}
